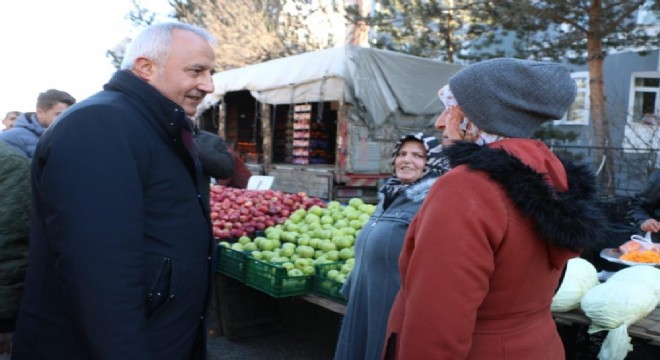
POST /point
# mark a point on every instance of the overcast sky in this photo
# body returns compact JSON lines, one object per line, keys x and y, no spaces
{"x":59,"y":44}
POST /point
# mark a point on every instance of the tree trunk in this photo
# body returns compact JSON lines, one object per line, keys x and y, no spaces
{"x":595,"y":56}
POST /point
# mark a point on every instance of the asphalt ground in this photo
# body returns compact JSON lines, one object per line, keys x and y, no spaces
{"x":299,"y":330}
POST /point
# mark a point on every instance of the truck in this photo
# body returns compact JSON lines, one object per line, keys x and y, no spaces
{"x":325,"y":122}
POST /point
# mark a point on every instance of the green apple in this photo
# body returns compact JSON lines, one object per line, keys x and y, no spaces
{"x":356,"y":224}
{"x":257,"y":255}
{"x":250,"y":246}
{"x":266,"y":244}
{"x":267,"y":255}
{"x":341,"y":278}
{"x":315,"y":243}
{"x":318,"y":253}
{"x":346,"y":268}
{"x":343,"y":242}
{"x":327,"y":219}
{"x":332,"y":255}
{"x":308,"y":270}
{"x":350,"y":261}
{"x":301,"y":263}
{"x":364,"y":217}
{"x":295,"y":218}
{"x":287,"y":251}
{"x":337,"y":214}
{"x":346,"y":253}
{"x":295,"y":272}
{"x":355,"y":202}
{"x":349,"y":231}
{"x":327,"y":246}
{"x":274,"y":235}
{"x":288,"y":265}
{"x":312,"y":218}
{"x":334,"y":204}
{"x":305,"y":251}
{"x":316,"y":210}
{"x":341,"y":223}
{"x":225,"y":244}
{"x":303,"y":241}
{"x":244,"y":240}
{"x":237,"y":246}
{"x":300,"y":212}
{"x":332,"y":274}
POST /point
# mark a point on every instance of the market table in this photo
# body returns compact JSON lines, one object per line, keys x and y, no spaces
{"x":647,"y":328}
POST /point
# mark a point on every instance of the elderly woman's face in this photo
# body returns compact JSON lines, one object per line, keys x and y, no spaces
{"x":410,"y":161}
{"x":449,"y":122}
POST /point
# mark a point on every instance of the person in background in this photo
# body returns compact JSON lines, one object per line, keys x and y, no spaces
{"x":644,"y":209}
{"x":121,"y":243}
{"x":374,"y":280}
{"x":216,"y":160}
{"x":241,"y":175}
{"x":483,"y":257}
{"x":10,"y":119}
{"x":15,"y":198}
{"x":29,"y":127}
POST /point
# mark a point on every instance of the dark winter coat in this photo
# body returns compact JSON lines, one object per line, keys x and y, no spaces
{"x":374,"y":280}
{"x":214,"y":156}
{"x":120,"y":238}
{"x":483,"y":257}
{"x":14,"y":227}
{"x":25,"y":134}
{"x":646,"y":204}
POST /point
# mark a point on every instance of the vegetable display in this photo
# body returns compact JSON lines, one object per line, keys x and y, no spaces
{"x":627,"y":297}
{"x":580,"y":276}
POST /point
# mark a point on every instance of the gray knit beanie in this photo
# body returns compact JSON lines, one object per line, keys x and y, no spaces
{"x":513,"y":97}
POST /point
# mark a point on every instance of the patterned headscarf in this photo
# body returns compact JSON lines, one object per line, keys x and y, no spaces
{"x":484,"y":138}
{"x":436,"y":164}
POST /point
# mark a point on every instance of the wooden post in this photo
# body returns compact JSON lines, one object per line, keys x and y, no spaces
{"x":267,"y":136}
{"x":221,"y":119}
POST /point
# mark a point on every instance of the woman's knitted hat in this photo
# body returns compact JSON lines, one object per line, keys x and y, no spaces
{"x":513,"y":97}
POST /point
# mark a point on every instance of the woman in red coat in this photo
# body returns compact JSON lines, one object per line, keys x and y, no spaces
{"x":483,"y":257}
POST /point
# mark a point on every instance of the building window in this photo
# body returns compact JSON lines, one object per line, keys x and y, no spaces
{"x":645,"y":99}
{"x":578,"y":114}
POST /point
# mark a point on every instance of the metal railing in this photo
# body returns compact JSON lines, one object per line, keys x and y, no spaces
{"x":631,"y":166}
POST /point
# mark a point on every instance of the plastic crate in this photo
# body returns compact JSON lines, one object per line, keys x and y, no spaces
{"x":231,"y":262}
{"x":274,"y":281}
{"x":325,"y":287}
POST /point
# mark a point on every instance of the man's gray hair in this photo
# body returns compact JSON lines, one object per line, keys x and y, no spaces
{"x":154,"y":42}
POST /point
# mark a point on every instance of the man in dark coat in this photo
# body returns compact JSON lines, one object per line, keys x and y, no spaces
{"x":14,"y":227}
{"x":120,"y":238}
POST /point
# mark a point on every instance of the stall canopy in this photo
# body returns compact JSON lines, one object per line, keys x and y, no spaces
{"x":381,"y":85}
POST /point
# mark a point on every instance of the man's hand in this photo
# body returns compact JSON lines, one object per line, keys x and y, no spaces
{"x":651,"y":225}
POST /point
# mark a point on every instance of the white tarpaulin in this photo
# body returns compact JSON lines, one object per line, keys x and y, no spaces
{"x":382,"y":84}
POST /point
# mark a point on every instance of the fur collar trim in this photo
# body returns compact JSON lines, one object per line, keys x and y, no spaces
{"x":570,"y":220}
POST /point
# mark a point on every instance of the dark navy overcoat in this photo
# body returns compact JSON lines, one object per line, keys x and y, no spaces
{"x":121,"y":241}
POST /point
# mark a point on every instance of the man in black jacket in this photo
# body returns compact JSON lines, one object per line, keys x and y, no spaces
{"x":644,"y":208}
{"x":120,"y":235}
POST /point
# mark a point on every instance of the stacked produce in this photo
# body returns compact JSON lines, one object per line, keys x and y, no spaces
{"x":310,"y":237}
{"x":241,"y":212}
{"x":580,"y":276}
{"x":625,"y":298}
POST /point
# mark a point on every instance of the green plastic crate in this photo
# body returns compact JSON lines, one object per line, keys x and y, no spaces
{"x":325,"y":287}
{"x":231,"y":262}
{"x":274,"y":281}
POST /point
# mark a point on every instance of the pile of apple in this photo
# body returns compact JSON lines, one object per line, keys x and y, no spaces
{"x":311,"y":237}
{"x":241,"y":212}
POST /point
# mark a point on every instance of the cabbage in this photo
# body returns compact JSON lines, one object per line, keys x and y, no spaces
{"x":580,"y":276}
{"x":615,"y":305}
{"x":644,"y":274}
{"x":611,"y":304}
